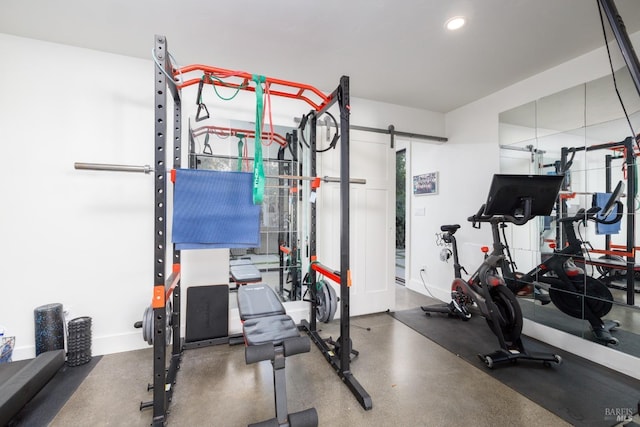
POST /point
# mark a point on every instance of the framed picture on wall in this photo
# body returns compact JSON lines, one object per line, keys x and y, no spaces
{"x":426,"y":183}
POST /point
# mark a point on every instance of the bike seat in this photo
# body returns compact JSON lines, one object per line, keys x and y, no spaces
{"x":450,"y":228}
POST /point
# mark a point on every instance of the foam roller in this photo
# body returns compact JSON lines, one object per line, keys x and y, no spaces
{"x":257,"y":353}
{"x":296,"y":345}
{"x":49,"y":328}
{"x":306,"y":418}
{"x":273,"y":422}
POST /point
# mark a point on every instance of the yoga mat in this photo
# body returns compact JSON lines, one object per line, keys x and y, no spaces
{"x":214,"y":209}
{"x":579,"y":391}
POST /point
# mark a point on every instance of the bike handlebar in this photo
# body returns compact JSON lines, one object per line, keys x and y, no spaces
{"x":591,"y":215}
{"x":480,"y":217}
{"x":581,"y":215}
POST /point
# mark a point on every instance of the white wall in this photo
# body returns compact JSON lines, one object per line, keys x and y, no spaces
{"x":85,"y":238}
{"x":72,"y":237}
{"x":464,"y":173}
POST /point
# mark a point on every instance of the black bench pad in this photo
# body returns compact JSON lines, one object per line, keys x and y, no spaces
{"x":272,"y":329}
{"x":244,"y":271}
{"x":258,"y":301}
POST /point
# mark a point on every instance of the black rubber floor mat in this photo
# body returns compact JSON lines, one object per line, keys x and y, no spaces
{"x":43,"y":408}
{"x":579,"y":391}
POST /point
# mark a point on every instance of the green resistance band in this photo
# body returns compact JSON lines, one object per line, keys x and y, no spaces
{"x":240,"y":144}
{"x":258,"y":169}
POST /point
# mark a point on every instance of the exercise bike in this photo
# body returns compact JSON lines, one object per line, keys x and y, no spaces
{"x":569,"y":288}
{"x":458,"y":307}
{"x":514,"y":199}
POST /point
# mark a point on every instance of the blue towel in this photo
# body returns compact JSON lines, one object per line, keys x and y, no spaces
{"x":213,"y":209}
{"x":600,"y":201}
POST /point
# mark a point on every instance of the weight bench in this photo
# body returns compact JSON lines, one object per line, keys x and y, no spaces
{"x":270,"y":334}
{"x":609,"y":269}
{"x":243,"y":271}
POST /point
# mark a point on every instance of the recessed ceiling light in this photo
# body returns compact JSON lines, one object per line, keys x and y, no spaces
{"x":455,"y":23}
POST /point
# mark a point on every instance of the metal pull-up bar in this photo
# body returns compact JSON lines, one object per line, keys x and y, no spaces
{"x":278,"y":87}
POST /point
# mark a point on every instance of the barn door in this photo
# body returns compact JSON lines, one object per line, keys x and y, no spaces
{"x":372,"y":222}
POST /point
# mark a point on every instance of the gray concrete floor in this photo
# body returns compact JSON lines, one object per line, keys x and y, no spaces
{"x":412,"y":382}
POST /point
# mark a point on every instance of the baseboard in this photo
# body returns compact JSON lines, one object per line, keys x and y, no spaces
{"x":133,"y":340}
{"x":597,"y":353}
{"x":99,"y":345}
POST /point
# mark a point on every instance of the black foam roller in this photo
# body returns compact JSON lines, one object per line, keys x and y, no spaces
{"x":79,"y":341}
{"x":296,"y":345}
{"x":273,"y":422}
{"x":49,"y":327}
{"x":257,"y":353}
{"x":306,"y":418}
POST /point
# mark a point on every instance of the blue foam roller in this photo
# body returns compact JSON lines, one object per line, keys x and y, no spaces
{"x":49,"y":327}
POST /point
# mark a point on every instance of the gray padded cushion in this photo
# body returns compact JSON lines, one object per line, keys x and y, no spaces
{"x":272,"y":329}
{"x":258,"y":301}
{"x":245,"y":273}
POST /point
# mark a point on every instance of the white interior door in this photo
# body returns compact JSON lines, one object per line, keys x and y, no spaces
{"x":372,"y":221}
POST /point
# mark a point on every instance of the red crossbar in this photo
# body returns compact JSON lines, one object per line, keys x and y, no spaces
{"x":243,"y":79}
{"x":613,"y":252}
{"x":174,"y":282}
{"x":325,"y":271}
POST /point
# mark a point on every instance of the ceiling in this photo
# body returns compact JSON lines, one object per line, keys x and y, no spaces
{"x":394,"y":51}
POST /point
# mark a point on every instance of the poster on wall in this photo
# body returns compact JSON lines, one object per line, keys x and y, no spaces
{"x":426,"y":183}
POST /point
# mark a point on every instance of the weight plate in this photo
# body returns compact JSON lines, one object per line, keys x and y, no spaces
{"x":168,"y":315}
{"x":147,"y":324}
{"x":326,"y":302}
{"x":333,"y":302}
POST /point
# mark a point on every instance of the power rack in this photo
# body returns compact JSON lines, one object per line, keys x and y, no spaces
{"x":170,"y":79}
{"x":624,"y":150}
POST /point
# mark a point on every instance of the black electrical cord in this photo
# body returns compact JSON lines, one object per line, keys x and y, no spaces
{"x":613,"y":75}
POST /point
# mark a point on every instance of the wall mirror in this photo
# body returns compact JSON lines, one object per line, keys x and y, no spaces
{"x":279,"y":260}
{"x":580,"y":133}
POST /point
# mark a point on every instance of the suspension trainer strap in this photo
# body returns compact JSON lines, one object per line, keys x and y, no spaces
{"x":258,"y":169}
